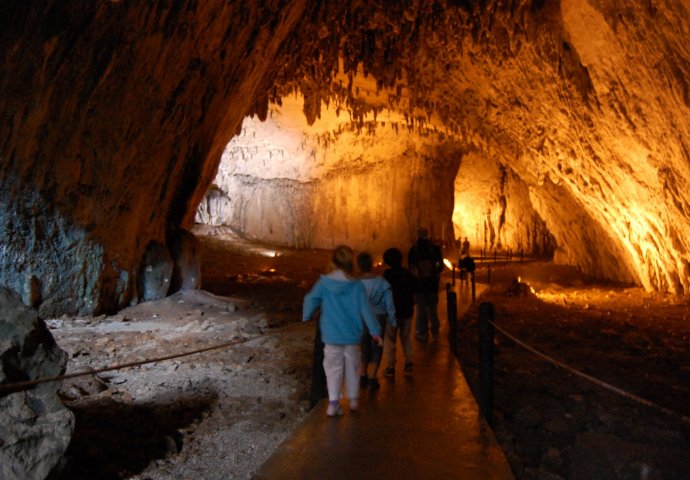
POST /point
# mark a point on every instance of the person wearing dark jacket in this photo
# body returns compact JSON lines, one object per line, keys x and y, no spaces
{"x":426,"y":264}
{"x":403,"y":285}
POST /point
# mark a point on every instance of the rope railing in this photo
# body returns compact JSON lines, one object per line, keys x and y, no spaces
{"x":486,"y":390}
{"x":26,"y":384}
{"x":601,"y":383}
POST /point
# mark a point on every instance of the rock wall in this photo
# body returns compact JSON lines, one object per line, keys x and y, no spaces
{"x":493,"y":210}
{"x":557,"y":92}
{"x":113,"y":118}
{"x":320,"y":185}
{"x":583,"y":241}
{"x":114,"y":115}
{"x":589,"y":95}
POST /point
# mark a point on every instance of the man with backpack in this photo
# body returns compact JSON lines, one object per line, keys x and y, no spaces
{"x":426,"y":264}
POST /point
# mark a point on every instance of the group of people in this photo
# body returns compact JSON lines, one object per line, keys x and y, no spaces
{"x":361,"y":318}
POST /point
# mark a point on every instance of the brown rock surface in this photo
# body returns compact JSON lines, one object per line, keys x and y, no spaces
{"x":114,"y":116}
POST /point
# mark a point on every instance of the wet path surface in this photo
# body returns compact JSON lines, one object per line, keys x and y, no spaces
{"x":424,"y":425}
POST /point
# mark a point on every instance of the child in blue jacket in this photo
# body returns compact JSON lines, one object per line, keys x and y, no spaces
{"x":380,"y":297}
{"x":344,"y":310}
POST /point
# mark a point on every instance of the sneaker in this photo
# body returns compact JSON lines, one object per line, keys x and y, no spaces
{"x":408,"y":367}
{"x":374,"y":384}
{"x":334,"y":410}
{"x":354,"y":404}
{"x":389,"y":372}
{"x":363,"y":381}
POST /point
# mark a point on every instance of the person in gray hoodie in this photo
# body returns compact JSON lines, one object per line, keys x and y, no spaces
{"x":345,"y":309}
{"x":381,"y":300}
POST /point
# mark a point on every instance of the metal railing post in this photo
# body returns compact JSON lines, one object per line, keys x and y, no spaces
{"x":474,"y":287}
{"x":319,"y":389}
{"x":452,"y":305}
{"x":486,"y":361}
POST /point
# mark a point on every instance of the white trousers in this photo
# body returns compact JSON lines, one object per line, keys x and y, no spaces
{"x":336,"y":360}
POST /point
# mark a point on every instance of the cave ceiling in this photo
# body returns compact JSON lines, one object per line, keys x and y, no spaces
{"x":115,"y":116}
{"x":581,"y":99}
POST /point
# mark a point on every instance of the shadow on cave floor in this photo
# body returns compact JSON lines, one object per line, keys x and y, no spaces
{"x":114,"y":440}
{"x":275,"y":277}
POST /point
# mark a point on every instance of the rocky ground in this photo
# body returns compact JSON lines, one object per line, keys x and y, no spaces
{"x":214,"y":415}
{"x":553,"y":424}
{"x":220,"y":414}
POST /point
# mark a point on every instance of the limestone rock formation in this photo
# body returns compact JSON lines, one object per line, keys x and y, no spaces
{"x":35,"y":428}
{"x":186,"y":274}
{"x":320,"y":185}
{"x":493,"y":210}
{"x":559,"y":93}
{"x":115,"y":114}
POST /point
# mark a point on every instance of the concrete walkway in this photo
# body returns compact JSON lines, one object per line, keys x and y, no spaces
{"x":422,"y":426}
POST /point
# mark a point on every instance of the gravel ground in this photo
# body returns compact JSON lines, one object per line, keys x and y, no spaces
{"x":555,"y":425}
{"x":217,"y":414}
{"x":214,"y":415}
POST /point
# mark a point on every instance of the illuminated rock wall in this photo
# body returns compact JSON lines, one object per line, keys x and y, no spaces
{"x":114,"y":116}
{"x":286,"y":182}
{"x":583,"y":241}
{"x":493,"y":210}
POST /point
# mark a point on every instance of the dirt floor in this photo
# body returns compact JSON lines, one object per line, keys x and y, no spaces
{"x":220,"y":414}
{"x":554,"y":424}
{"x":213,"y":415}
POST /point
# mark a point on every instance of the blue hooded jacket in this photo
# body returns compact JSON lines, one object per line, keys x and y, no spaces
{"x":380,"y":296}
{"x":344,"y":304}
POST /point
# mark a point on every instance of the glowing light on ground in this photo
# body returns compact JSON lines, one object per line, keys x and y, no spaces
{"x":448,"y":263}
{"x":267,"y":252}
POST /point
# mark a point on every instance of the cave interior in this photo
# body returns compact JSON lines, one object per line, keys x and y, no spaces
{"x":553,"y":129}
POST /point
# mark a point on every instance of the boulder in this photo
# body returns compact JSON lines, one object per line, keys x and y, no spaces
{"x":156,"y":272}
{"x":35,"y":428}
{"x":184,"y":247}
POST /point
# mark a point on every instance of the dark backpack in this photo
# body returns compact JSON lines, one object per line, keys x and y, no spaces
{"x":426,"y":268}
{"x":426,"y":264}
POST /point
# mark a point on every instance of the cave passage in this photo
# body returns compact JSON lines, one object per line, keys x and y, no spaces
{"x":372,"y":185}
{"x":553,"y":127}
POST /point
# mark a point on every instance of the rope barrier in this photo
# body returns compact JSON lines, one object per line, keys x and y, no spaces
{"x":24,"y":385}
{"x":594,"y":380}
